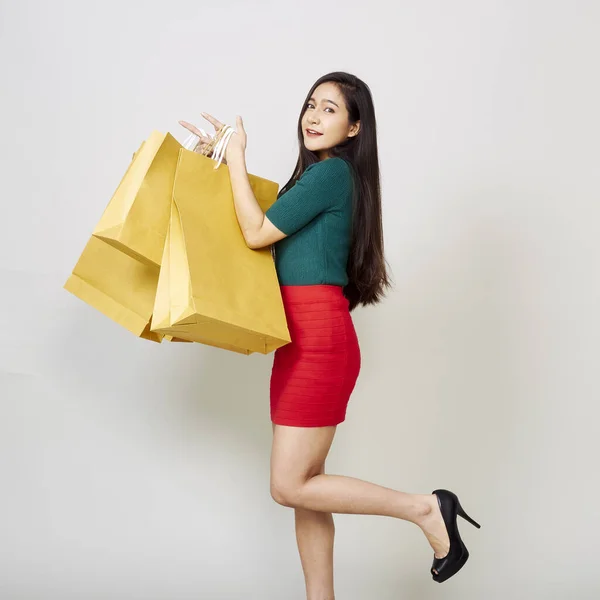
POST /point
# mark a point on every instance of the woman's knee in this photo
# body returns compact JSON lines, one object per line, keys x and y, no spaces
{"x":284,"y":491}
{"x":297,"y":455}
{"x":283,"y":496}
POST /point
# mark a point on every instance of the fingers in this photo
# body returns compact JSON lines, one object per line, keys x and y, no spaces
{"x":204,"y":140}
{"x":200,"y":149}
{"x":214,"y":122}
{"x":204,"y":144}
{"x":192,"y":128}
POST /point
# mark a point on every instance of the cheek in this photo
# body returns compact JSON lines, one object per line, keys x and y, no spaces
{"x":335,"y":123}
{"x":337,"y":129}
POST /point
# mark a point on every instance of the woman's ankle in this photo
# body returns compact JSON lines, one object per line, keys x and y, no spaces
{"x":423,"y":507}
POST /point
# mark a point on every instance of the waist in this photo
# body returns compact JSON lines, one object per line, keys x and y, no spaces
{"x":300,"y":294}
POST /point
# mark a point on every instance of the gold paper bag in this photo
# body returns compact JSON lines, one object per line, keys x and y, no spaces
{"x":212,"y":288}
{"x":136,"y":218}
{"x":118,"y":285}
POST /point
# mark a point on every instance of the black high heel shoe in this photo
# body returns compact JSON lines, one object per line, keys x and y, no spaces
{"x":458,"y":554}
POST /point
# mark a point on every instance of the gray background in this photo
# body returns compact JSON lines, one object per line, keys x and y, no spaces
{"x":132,"y":470}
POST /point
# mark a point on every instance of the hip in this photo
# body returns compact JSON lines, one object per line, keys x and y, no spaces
{"x":318,"y":317}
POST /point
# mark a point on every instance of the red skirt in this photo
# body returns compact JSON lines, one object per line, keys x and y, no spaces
{"x":313,"y":376}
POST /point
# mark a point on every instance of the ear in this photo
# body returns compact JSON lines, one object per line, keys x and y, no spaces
{"x":354,"y":129}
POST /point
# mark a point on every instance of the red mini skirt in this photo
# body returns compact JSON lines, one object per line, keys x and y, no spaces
{"x":313,"y":376}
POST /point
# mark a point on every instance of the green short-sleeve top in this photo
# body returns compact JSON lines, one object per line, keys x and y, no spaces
{"x":316,"y":215}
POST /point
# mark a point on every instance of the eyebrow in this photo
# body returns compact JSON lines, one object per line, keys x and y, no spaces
{"x":326,"y":100}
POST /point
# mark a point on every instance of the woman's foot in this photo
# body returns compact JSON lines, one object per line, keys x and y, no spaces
{"x":432,"y":524}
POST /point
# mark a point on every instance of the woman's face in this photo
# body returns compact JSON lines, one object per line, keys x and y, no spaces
{"x":326,"y":114}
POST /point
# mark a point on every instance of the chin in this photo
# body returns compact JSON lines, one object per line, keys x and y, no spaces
{"x":313,"y":145}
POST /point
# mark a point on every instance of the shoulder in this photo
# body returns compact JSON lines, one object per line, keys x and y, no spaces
{"x":329,"y":172}
{"x":335,"y":165}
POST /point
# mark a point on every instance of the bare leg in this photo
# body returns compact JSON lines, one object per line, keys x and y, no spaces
{"x":297,"y":450}
{"x":339,"y":494}
{"x":315,"y":533}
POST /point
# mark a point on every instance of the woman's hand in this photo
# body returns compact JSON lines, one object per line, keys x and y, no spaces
{"x":204,"y":140}
{"x":236,"y":145}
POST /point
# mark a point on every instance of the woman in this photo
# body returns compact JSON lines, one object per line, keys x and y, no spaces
{"x":326,"y":229}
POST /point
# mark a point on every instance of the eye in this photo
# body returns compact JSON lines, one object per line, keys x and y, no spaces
{"x":328,"y":108}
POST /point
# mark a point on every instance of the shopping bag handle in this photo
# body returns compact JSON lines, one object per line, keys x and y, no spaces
{"x":224,"y":136}
{"x":218,"y":151}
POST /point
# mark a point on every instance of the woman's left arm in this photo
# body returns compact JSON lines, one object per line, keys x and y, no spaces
{"x":258,"y":231}
{"x":249,"y":213}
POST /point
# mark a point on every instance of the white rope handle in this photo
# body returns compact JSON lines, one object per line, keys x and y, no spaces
{"x":218,"y":152}
{"x":191,"y":141}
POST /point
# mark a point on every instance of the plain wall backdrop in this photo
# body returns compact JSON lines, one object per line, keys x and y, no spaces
{"x":131,"y":470}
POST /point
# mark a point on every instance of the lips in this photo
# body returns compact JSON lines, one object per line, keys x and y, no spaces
{"x":310,"y":132}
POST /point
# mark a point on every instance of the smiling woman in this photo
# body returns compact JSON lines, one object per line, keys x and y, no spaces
{"x":325,"y":122}
{"x":327,"y":233}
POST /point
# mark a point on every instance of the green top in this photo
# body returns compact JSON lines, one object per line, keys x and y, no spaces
{"x":316,"y":215}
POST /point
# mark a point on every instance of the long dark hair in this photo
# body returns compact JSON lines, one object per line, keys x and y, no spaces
{"x":368,"y":277}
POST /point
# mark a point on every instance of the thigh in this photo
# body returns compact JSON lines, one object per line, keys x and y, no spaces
{"x":321,"y":470}
{"x":298,"y":453}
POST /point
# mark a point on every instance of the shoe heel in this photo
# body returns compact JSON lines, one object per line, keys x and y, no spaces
{"x":464,"y":515}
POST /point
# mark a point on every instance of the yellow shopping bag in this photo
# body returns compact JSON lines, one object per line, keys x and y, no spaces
{"x":109,"y":275}
{"x":118,"y":285}
{"x":212,"y":288}
{"x":136,"y":218}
